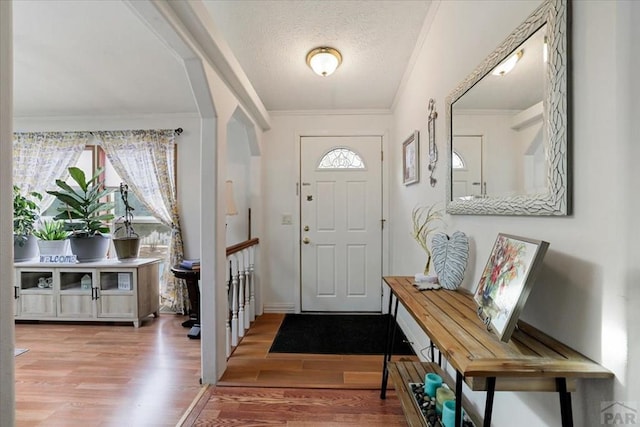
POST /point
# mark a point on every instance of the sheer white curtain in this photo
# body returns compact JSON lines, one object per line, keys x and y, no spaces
{"x":144,"y":159}
{"x":39,"y":158}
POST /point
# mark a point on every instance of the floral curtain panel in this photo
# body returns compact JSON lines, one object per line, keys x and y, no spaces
{"x":39,"y":158}
{"x":144,"y":159}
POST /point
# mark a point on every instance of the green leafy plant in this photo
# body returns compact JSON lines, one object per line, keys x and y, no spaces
{"x":26,"y":212}
{"x":425,"y":222}
{"x":125,"y":222}
{"x":84,"y":213}
{"x":51,"y":230}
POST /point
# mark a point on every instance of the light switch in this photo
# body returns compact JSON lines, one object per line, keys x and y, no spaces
{"x":287,"y":219}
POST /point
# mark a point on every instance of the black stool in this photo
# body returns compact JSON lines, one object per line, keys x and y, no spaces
{"x":191,"y":277}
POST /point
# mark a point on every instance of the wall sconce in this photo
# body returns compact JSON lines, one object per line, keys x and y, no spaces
{"x":230,"y":199}
{"x":508,"y":65}
{"x":324,"y":60}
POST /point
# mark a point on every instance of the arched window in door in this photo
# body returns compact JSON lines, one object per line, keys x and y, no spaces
{"x":341,"y":158}
{"x":456,"y":161}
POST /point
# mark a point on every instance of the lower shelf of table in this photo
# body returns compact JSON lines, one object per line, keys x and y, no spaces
{"x":404,"y":373}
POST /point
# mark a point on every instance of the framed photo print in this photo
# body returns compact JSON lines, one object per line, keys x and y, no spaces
{"x":506,"y":281}
{"x":411,"y":159}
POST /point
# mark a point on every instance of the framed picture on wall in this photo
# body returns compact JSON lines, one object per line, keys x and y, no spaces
{"x":411,"y":159}
{"x":507,"y":280}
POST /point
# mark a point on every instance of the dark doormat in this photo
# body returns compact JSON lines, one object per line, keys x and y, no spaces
{"x":336,"y":334}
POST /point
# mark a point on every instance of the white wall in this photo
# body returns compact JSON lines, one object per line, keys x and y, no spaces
{"x":238,"y":171}
{"x":629,"y":16}
{"x":280,"y":271}
{"x":581,"y":295}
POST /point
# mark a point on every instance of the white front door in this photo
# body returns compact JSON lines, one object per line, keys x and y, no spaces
{"x":467,"y":179}
{"x":340,"y":221}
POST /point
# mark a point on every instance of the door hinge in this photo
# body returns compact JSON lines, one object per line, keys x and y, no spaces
{"x":382,"y":156}
{"x":382,"y":221}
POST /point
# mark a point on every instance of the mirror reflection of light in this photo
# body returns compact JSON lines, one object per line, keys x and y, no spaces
{"x":508,"y":65}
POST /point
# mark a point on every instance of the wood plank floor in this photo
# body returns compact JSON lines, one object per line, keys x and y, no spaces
{"x":251,"y":364}
{"x":295,"y":407}
{"x":106,"y":374}
{"x":115,"y":375}
{"x":267,"y":389}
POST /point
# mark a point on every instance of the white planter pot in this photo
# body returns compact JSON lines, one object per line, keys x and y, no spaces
{"x":24,"y":249}
{"x":53,"y":247}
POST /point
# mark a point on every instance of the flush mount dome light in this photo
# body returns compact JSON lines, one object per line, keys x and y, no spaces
{"x":324,"y":60}
{"x":508,"y":65}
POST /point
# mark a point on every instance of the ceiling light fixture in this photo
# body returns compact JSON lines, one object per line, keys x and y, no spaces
{"x":508,"y":65}
{"x":324,"y":60}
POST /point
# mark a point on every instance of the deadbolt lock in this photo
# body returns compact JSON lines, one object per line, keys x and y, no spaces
{"x":306,"y":228}
{"x":309,"y":198}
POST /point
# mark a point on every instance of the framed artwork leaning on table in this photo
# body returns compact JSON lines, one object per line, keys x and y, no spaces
{"x":507,"y":280}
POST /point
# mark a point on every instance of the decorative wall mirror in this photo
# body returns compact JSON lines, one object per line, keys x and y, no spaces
{"x":507,"y":132}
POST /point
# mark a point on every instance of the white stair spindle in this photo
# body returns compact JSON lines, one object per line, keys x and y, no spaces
{"x":234,"y":304}
{"x":252,"y":287}
{"x":247,"y":286}
{"x":241,"y":325}
{"x":228,"y":311}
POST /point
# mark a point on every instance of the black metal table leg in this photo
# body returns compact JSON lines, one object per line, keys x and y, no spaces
{"x":565,"y":402}
{"x":388,"y":348}
{"x":459,"y":379}
{"x":488,"y":407}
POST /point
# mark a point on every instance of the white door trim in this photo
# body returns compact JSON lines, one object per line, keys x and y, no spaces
{"x":384,"y":134}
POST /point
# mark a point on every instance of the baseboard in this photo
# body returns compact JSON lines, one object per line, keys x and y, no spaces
{"x":417,"y":338}
{"x":279,"y":308}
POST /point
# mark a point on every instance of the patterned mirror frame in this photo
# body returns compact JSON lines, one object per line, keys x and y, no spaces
{"x":557,"y":201}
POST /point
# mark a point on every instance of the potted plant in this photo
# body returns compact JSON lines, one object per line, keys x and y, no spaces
{"x":125,"y":239}
{"x":25,"y":213}
{"x":85,"y":214}
{"x":52,"y":238}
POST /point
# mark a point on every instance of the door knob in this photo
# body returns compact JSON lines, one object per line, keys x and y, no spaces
{"x":306,"y":240}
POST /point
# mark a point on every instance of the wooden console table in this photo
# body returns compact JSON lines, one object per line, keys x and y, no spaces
{"x":530,"y":361}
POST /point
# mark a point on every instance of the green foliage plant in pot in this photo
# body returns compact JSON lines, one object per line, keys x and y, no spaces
{"x":26,"y":212}
{"x":85,"y":214}
{"x":125,"y":239}
{"x":52,"y":238}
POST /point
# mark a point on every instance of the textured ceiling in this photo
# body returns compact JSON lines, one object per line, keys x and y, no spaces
{"x":271,"y":38}
{"x":81,"y":58}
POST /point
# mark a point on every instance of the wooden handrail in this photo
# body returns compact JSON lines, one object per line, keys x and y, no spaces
{"x":242,"y":245}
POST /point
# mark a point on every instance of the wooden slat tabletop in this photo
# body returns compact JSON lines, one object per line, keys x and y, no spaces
{"x":450,"y":319}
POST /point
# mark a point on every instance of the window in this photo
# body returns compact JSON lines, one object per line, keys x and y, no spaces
{"x":341,"y":158}
{"x":155,"y":237}
{"x":456,"y":161}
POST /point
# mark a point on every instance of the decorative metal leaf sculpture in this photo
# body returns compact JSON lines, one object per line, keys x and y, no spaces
{"x":450,"y":255}
{"x":425,"y":221}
